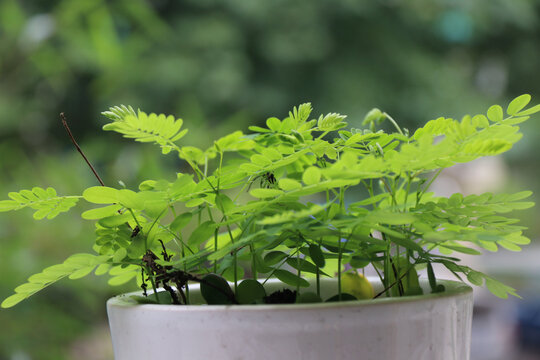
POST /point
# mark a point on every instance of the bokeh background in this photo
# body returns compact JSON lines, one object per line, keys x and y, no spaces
{"x":221,"y":65}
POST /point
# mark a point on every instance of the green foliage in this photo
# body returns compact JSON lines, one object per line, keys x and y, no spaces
{"x":250,"y":291}
{"x":215,"y":290}
{"x":200,"y":228}
{"x":75,"y":267}
{"x":45,"y":201}
{"x":160,"y":129}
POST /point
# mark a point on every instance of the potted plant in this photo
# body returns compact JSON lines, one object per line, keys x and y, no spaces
{"x":273,"y":231}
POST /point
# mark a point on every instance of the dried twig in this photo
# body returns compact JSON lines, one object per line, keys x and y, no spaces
{"x":64,"y":122}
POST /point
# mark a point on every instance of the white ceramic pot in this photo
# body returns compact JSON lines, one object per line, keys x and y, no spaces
{"x":427,"y":327}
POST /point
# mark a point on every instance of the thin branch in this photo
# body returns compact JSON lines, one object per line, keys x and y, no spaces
{"x":64,"y":122}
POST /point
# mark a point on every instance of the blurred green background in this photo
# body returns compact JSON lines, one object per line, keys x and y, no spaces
{"x":220,"y":65}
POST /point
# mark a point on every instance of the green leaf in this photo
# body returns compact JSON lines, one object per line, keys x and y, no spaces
{"x":194,"y":202}
{"x":290,"y":216}
{"x":180,"y":222}
{"x":431,"y":277}
{"x":316,"y":255}
{"x":302,"y":265}
{"x":475,"y":278}
{"x":331,"y":121}
{"x":265,"y":193}
{"x":289,"y":184}
{"x":102,"y":269}
{"x":228,"y":274}
{"x":258,"y":129}
{"x":301,"y":114}
{"x":372,"y":199}
{"x":359,"y":262}
{"x":311,"y":176}
{"x":273,"y":124}
{"x":518,"y":104}
{"x":81,"y":273}
{"x":100,"y":213}
{"x":13,"y":300}
{"x":515,"y":120}
{"x":495,"y":113}
{"x":122,"y":279}
{"x":224,"y":203}
{"x":118,"y":113}
{"x":75,"y":266}
{"x":8,"y":205}
{"x":530,"y":111}
{"x":115,"y":220}
{"x":390,"y":218}
{"x":374,"y":116}
{"x":260,"y":160}
{"x":274,"y":257}
{"x":235,"y":142}
{"x":509,"y":245}
{"x":119,"y":255}
{"x":408,"y":244}
{"x":216,"y":291}
{"x":499,"y":289}
{"x":45,"y":202}
{"x":101,"y":195}
{"x":130,"y":199}
{"x":160,"y":129}
{"x":290,"y":279}
{"x":202,"y":233}
{"x":250,"y":291}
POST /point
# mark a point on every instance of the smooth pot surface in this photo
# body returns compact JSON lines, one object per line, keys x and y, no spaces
{"x":428,"y":327}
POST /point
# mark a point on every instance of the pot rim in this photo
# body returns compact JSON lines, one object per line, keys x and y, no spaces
{"x":452,"y":289}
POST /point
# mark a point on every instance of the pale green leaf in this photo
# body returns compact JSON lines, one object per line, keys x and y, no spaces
{"x":100,"y":213}
{"x":180,"y":222}
{"x":289,"y":184}
{"x":311,"y":176}
{"x":265,"y":193}
{"x":273,"y":124}
{"x":101,"y":195}
{"x":530,"y":111}
{"x":260,"y":160}
{"x":518,"y":104}
{"x":290,"y":279}
{"x":495,"y":113}
{"x":202,"y":233}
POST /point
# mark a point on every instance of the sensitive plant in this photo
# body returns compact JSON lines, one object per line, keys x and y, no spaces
{"x":299,"y":199}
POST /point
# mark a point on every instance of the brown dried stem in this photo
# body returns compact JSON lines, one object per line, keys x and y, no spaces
{"x":64,"y":122}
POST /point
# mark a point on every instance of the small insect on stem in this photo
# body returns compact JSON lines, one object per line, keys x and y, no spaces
{"x":267,"y":180}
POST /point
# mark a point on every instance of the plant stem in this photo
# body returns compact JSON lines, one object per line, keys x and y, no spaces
{"x":216,"y":249}
{"x":299,"y":272}
{"x":253,"y":262}
{"x":318,"y":281}
{"x":280,"y":265}
{"x":318,"y":275}
{"x":152,"y":281}
{"x":386,"y":267}
{"x":185,"y":270}
{"x":394,"y":123}
{"x":430,"y":182}
{"x":64,"y":122}
{"x":339,"y":265}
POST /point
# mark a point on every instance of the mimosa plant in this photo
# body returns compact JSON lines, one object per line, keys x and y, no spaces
{"x":300,"y":198}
